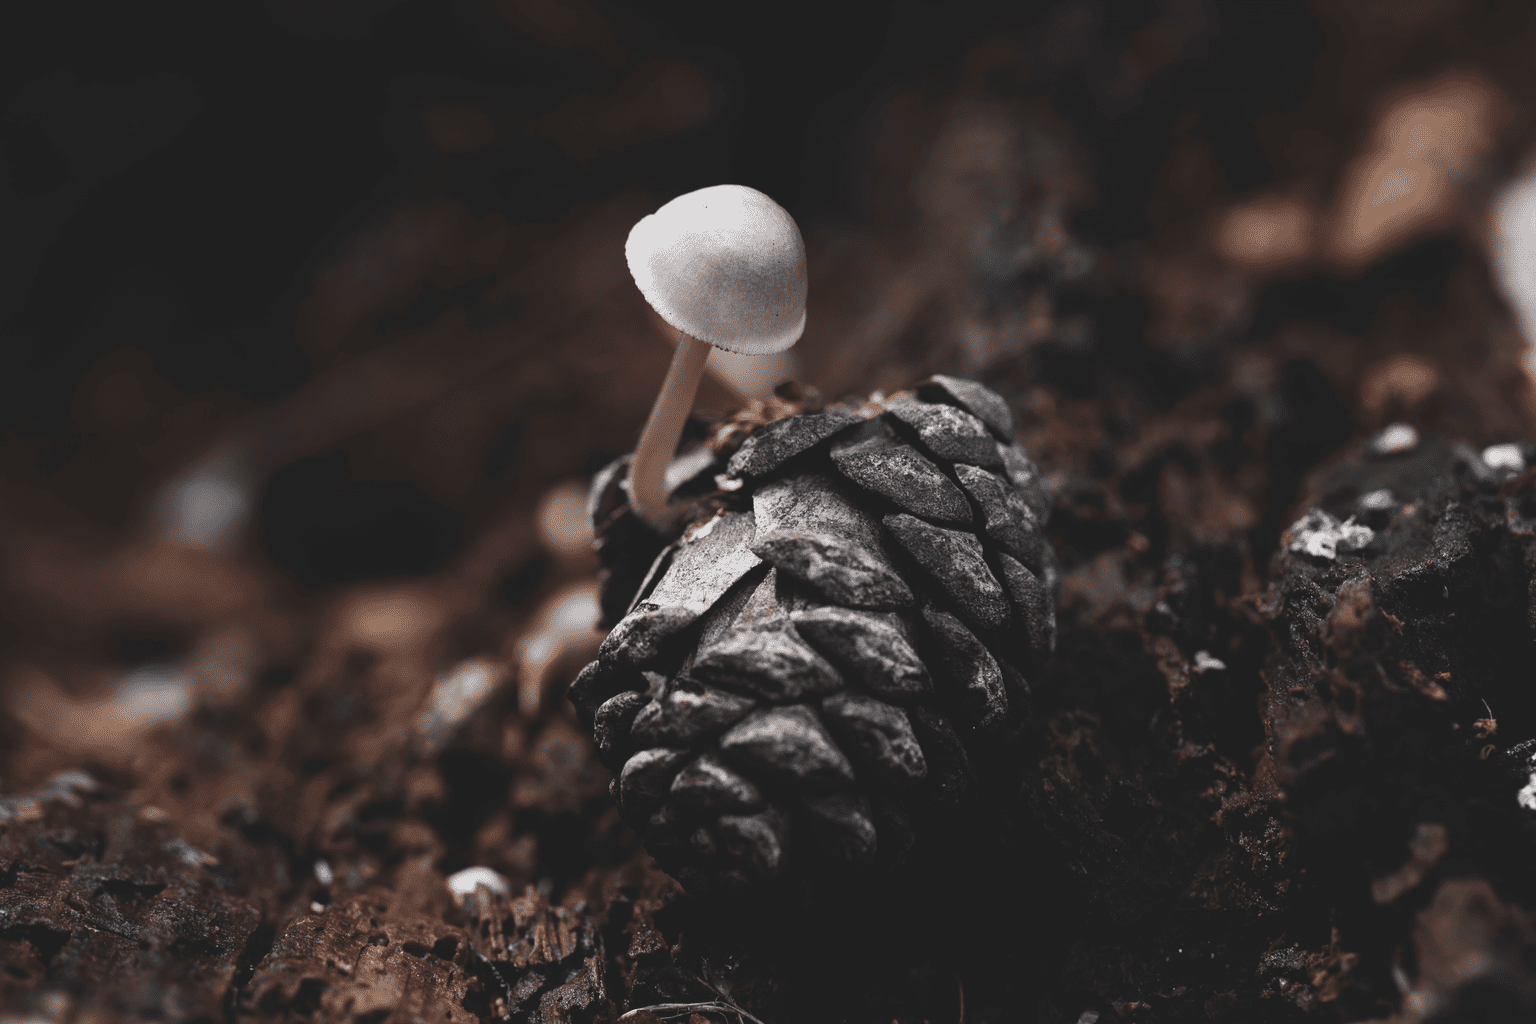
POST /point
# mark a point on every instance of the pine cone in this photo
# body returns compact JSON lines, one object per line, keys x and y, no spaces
{"x":816,"y":661}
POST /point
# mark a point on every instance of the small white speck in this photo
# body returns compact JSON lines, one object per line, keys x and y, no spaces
{"x":1506,"y":457}
{"x":1527,"y":796}
{"x":1088,"y":1017}
{"x":152,"y":694}
{"x":323,"y":873}
{"x":464,"y":883}
{"x":1206,"y":662}
{"x":188,"y":854}
{"x":1395,"y":440}
{"x":1377,"y":501}
{"x":457,"y":696}
{"x":704,"y":529}
{"x":207,"y":510}
{"x":563,"y":526}
{"x":728,"y":483}
{"x":316,"y":907}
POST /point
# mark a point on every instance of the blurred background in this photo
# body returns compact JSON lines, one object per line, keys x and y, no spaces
{"x":301,"y":297}
{"x":314,"y":320}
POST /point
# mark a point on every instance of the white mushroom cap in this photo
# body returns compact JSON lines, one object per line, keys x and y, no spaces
{"x":725,"y":264}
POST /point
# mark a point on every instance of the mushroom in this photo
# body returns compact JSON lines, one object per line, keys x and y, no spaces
{"x":725,"y":265}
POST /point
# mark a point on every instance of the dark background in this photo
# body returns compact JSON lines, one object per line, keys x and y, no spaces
{"x":178,"y":176}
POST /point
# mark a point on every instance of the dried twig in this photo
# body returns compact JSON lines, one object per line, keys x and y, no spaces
{"x":506,"y":985}
{"x":678,"y":1009}
{"x":723,"y":990}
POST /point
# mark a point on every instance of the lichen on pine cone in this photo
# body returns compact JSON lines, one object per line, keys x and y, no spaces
{"x":851,"y":614}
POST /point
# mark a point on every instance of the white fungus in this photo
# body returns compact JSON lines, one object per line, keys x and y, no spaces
{"x":726,"y":267}
{"x":1321,"y":535}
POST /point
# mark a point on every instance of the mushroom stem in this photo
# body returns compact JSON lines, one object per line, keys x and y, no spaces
{"x":658,"y":441}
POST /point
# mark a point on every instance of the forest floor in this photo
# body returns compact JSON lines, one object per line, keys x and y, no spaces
{"x":1281,"y":761}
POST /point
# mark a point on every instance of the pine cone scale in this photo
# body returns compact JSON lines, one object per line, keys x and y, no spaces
{"x":983,"y":403}
{"x":1031,"y":603}
{"x":1008,"y":520}
{"x":774,"y":444}
{"x":788,"y":745}
{"x":870,"y":649}
{"x":772,"y":664}
{"x":845,"y":825}
{"x":810,"y":529}
{"x":947,"y":433}
{"x":896,"y":472}
{"x":709,"y":785}
{"x":878,"y":737}
{"x":954,"y":560}
{"x":968,"y":670}
{"x":707,"y":564}
{"x":687,"y":712}
{"x":647,"y":776}
{"x":612,"y":723}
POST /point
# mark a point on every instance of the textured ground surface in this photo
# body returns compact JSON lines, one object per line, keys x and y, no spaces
{"x":1278,"y":767}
